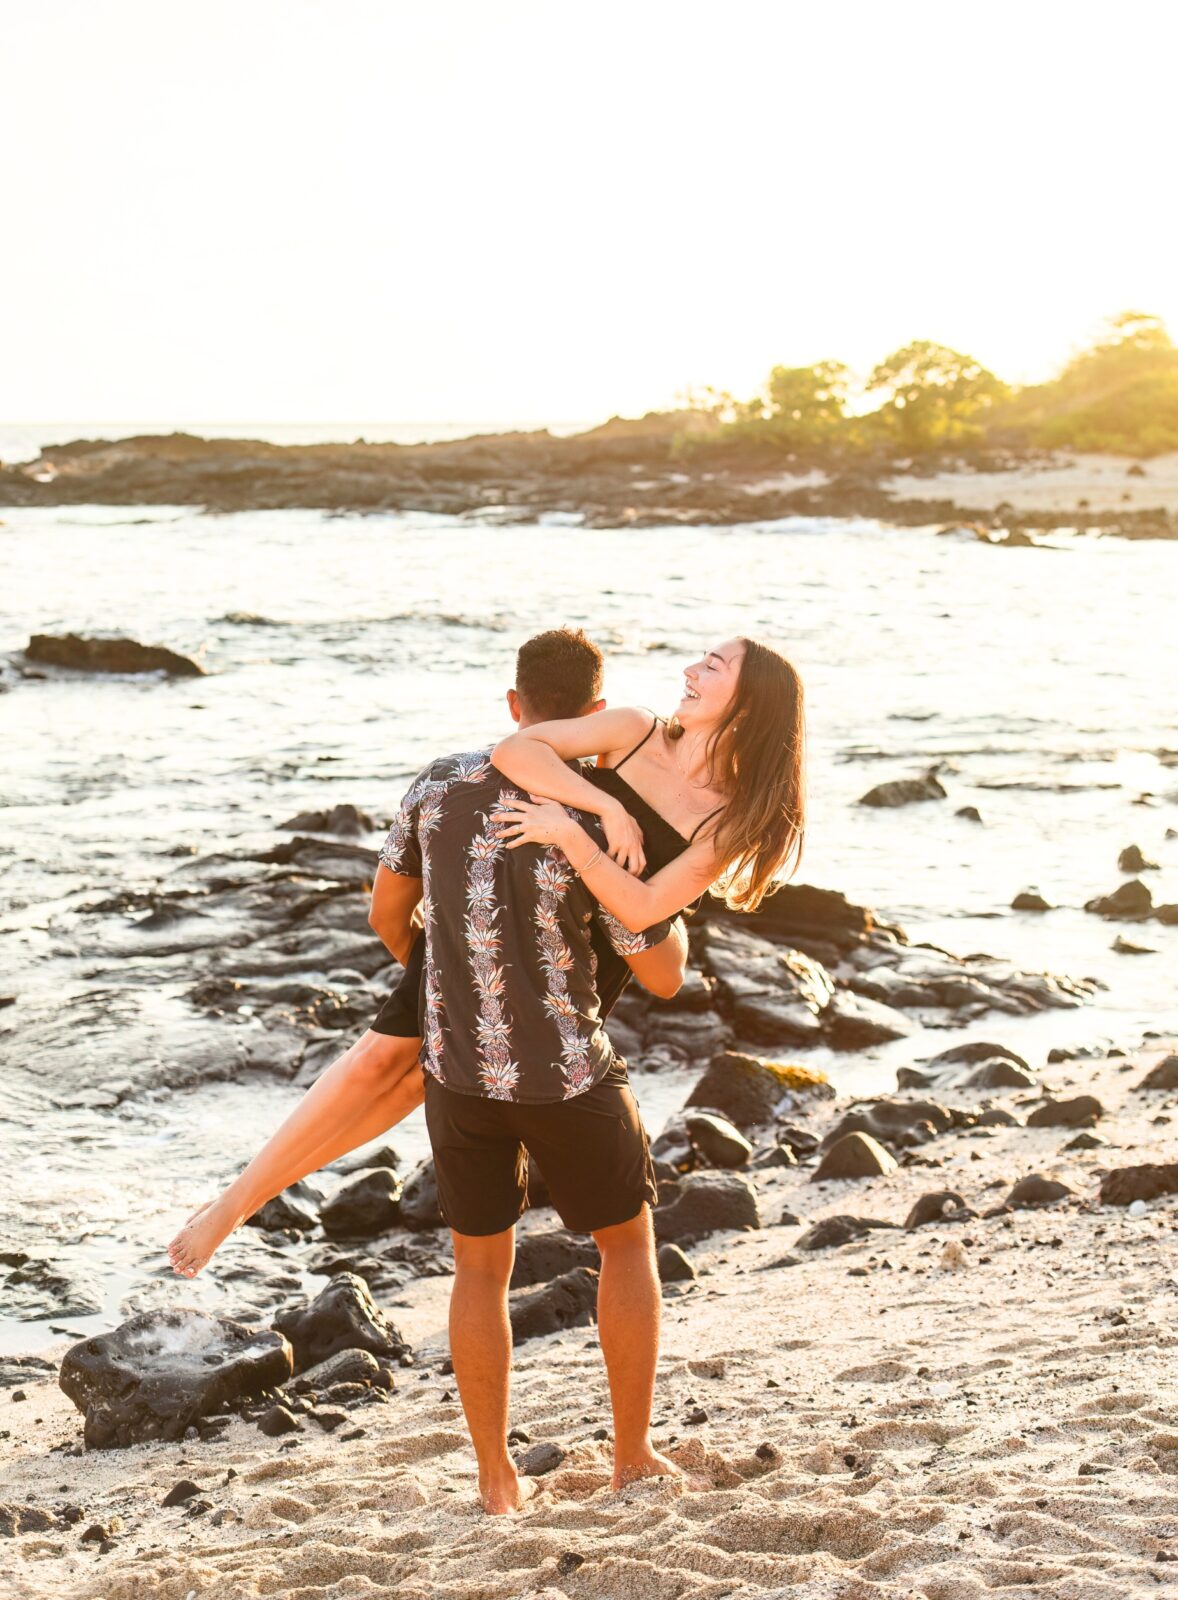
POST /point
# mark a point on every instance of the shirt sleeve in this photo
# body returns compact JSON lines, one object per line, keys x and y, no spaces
{"x":626,"y":943}
{"x":401,"y":851}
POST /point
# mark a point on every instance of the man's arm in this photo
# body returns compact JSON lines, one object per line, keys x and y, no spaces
{"x":390,"y":915}
{"x":396,"y":889}
{"x":661,"y":970}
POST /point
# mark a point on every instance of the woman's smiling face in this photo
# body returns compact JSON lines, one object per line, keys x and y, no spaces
{"x":711,"y":684}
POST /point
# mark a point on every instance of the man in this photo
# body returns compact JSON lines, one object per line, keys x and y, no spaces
{"x":517,"y":1061}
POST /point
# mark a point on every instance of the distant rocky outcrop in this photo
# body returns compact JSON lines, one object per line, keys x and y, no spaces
{"x":905,"y":791}
{"x":626,"y":473}
{"x":346,"y":820}
{"x":103,"y":654}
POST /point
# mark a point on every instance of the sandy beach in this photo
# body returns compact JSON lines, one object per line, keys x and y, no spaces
{"x":1055,"y":484}
{"x":962,"y":1408}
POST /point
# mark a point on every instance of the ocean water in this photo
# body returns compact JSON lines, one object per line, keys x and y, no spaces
{"x":1043,"y":680}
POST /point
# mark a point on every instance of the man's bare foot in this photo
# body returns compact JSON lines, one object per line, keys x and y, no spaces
{"x":505,"y":1493}
{"x":202,"y":1235}
{"x":646,"y":1464}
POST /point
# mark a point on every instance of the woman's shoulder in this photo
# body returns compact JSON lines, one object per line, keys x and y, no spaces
{"x":630,"y":727}
{"x":639,"y":716}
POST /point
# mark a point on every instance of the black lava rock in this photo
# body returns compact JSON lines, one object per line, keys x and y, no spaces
{"x":905,"y":791}
{"x":1123,"y":1185}
{"x":346,"y":820}
{"x":276,"y":1421}
{"x":540,"y":1257}
{"x":999,"y":1073}
{"x":158,"y":1372}
{"x":674,"y":1266}
{"x":941,"y":1206}
{"x":541,"y":1458}
{"x":854,"y":1155}
{"x":707,"y":1202}
{"x":364,"y":1207}
{"x":718,"y":1141}
{"x":1132,"y":859}
{"x":418,"y":1205}
{"x":1162,"y":1076}
{"x":111,"y":654}
{"x":832,"y":1232}
{"x":1036,"y":1190}
{"x":343,"y":1316}
{"x":1080,"y":1112}
{"x":901,"y":1124}
{"x":742,"y":1087}
{"x":346,"y":1366}
{"x":569,"y":1301}
{"x":285,"y":1211}
{"x":180,"y":1492}
{"x":1132,"y":902}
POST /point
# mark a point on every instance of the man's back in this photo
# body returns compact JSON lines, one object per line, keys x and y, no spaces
{"x":511,"y":1006}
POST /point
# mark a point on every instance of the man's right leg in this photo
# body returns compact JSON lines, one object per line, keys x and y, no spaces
{"x":595,"y":1156}
{"x":480,"y":1348}
{"x":629,"y":1307}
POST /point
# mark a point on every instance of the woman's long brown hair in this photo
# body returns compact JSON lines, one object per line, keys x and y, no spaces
{"x":756,"y":757}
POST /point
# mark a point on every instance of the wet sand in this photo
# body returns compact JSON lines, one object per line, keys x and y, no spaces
{"x":966,"y":1408}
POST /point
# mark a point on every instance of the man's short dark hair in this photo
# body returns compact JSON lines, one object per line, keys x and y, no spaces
{"x":558,"y":674}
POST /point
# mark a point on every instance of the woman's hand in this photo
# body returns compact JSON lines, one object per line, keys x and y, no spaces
{"x":540,"y":821}
{"x":623,"y":838}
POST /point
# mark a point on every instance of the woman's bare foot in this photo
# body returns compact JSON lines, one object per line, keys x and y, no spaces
{"x":505,"y":1493}
{"x":202,"y":1235}
{"x":647,"y":1464}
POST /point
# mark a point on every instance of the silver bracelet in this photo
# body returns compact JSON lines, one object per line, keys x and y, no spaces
{"x":580,"y":870}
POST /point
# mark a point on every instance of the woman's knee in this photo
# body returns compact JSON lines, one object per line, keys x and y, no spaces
{"x":382,"y":1059}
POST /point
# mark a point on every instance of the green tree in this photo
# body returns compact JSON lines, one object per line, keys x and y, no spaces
{"x":1119,"y":395}
{"x":933,"y":395}
{"x":811,"y":400}
{"x":797,"y":408}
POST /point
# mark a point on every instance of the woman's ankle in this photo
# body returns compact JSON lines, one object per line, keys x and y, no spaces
{"x":239,"y":1202}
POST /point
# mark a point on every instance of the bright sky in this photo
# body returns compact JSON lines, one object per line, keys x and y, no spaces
{"x":393,"y":210}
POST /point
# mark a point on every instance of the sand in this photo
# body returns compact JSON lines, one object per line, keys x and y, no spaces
{"x":1059,"y":483}
{"x":967,"y":1409}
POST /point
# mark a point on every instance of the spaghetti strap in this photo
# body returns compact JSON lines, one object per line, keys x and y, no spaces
{"x":702,"y":822}
{"x":639,"y":745}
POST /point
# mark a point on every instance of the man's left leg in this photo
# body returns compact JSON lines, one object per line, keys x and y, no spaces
{"x":481,"y":1172}
{"x":629,"y":1307}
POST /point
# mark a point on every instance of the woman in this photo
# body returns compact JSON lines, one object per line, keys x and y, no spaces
{"x":718,"y":793}
{"x":731,"y":759}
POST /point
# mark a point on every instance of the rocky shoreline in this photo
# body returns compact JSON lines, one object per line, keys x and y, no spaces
{"x":623,"y":474}
{"x":272,"y":970}
{"x":281,"y":966}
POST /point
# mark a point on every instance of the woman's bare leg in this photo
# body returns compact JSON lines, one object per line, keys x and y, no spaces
{"x":372,"y":1086}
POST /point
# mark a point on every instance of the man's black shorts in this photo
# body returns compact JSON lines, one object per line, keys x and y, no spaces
{"x":592,"y":1151}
